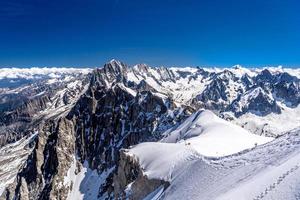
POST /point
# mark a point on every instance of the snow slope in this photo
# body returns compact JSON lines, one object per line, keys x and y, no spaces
{"x":269,"y":171}
{"x":84,"y":181}
{"x":159,"y":160}
{"x":210,"y":135}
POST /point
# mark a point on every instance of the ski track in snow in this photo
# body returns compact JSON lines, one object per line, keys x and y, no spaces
{"x":275,"y":184}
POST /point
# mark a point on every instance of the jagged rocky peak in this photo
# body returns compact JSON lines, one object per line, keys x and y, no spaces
{"x":247,"y":81}
{"x":141,"y":68}
{"x":283,"y":86}
{"x":286,"y":77}
{"x":264,"y":76}
{"x":157,"y":73}
{"x":214,"y":92}
{"x":166,"y":74}
{"x":115,"y":67}
{"x":113,"y":71}
{"x":256,"y":101}
{"x":116,"y":116}
{"x":226,"y":75}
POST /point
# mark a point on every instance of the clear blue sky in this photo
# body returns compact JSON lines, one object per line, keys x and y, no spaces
{"x":156,"y":32}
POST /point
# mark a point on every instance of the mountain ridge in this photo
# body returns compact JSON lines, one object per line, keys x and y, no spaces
{"x":87,"y":118}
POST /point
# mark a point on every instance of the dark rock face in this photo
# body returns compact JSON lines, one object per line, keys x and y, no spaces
{"x":263,"y":106}
{"x":265,"y":76}
{"x":215,"y":95}
{"x":144,"y":86}
{"x":287,"y":88}
{"x":128,"y":172}
{"x":215,"y":91}
{"x":26,"y":111}
{"x":43,"y":173}
{"x":255,"y":101}
{"x":110,"y":118}
{"x":247,"y":81}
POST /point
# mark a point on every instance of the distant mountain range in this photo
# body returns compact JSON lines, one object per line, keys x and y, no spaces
{"x":140,"y":132}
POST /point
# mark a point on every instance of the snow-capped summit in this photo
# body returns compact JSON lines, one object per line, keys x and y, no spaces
{"x":141,"y":68}
{"x":116,"y":67}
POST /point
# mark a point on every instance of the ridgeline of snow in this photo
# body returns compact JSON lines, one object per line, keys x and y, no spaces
{"x":212,"y":136}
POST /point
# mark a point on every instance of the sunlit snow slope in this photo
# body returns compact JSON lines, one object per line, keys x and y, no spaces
{"x":268,"y":171}
{"x":210,"y":135}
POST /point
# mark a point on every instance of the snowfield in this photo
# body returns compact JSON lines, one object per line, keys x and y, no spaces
{"x":272,"y":123}
{"x":266,"y":171}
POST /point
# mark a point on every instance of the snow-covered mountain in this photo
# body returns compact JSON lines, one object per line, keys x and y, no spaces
{"x":177,"y":171}
{"x":72,"y":132}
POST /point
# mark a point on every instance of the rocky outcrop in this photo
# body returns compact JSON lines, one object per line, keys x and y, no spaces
{"x":130,"y":182}
{"x":42,"y":176}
